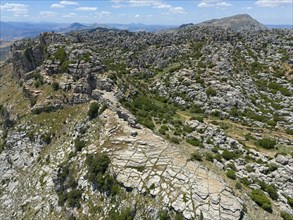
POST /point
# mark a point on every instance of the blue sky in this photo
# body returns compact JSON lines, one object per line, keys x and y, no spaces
{"x":144,"y":11}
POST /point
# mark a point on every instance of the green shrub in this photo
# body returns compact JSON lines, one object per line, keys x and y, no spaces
{"x":249,"y":169}
{"x":97,"y":166}
{"x":289,"y":131}
{"x":211,"y":92}
{"x":60,"y":54}
{"x":290,"y":201}
{"x":261,"y":199}
{"x":188,"y":129}
{"x":193,"y":141}
{"x":124,"y":214}
{"x":196,"y":156}
{"x":231,"y":174}
{"x":227,"y":155}
{"x":55,"y":86}
{"x":272,"y":191}
{"x":174,"y":140}
{"x":267,"y":143}
{"x":238,"y":185}
{"x":46,"y":138}
{"x":273,"y":167}
{"x":209,"y":157}
{"x":163,"y":215}
{"x":245,"y":181}
{"x":73,"y":198}
{"x":78,"y":144}
{"x":286,"y":216}
{"x":93,"y":111}
{"x":2,"y":146}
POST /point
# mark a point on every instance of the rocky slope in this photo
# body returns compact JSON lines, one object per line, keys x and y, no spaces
{"x":236,"y":23}
{"x":107,"y":124}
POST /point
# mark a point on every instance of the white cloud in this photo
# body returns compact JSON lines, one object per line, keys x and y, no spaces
{"x":158,"y":4}
{"x":57,"y":6}
{"x":102,"y":14}
{"x":137,"y":16}
{"x":248,"y":8}
{"x":213,"y":4}
{"x":272,"y":3}
{"x":177,"y":10}
{"x":68,"y":3}
{"x":16,"y":9}
{"x":70,"y":15}
{"x":47,"y":14}
{"x":223,"y":4}
{"x":105,"y":13}
{"x":86,"y":9}
{"x":62,"y":4}
{"x":204,"y":5}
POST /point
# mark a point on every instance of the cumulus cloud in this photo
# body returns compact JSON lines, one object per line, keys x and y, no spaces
{"x":86,"y":9}
{"x":213,"y":4}
{"x":16,"y":9}
{"x":272,"y":3}
{"x":68,"y":3}
{"x":47,"y":14}
{"x":158,"y":4}
{"x":57,"y":6}
{"x":62,"y":4}
{"x":177,"y":10}
{"x":70,"y":15}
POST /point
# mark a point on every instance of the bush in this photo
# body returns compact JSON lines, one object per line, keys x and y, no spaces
{"x":231,"y":174}
{"x":209,"y":157}
{"x":78,"y":144}
{"x":261,"y":199}
{"x":174,"y":140}
{"x":290,"y":201}
{"x":124,"y":214}
{"x":286,"y":216}
{"x":227,"y":155}
{"x":55,"y":86}
{"x":196,"y":156}
{"x":238,"y":185}
{"x":97,"y":166}
{"x":163,"y":215}
{"x":60,"y":54}
{"x":211,"y":92}
{"x":271,"y":190}
{"x":273,"y":167}
{"x":73,"y":198}
{"x":193,"y":141}
{"x":46,"y":138}
{"x":93,"y":111}
{"x":245,"y":181}
{"x":266,"y":143}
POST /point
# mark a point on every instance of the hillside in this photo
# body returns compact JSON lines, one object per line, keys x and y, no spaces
{"x":235,"y":23}
{"x":108,"y":124}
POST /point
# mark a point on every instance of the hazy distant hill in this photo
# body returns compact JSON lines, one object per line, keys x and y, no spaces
{"x":18,"y":30}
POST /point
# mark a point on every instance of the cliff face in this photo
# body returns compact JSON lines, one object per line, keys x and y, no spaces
{"x":108,"y":124}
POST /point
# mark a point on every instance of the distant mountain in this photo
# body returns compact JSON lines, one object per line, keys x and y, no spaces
{"x":135,"y":27}
{"x":236,"y":23}
{"x":282,"y":26}
{"x":74,"y":27}
{"x":18,"y":30}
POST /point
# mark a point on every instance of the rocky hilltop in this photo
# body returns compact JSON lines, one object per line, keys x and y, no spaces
{"x":108,"y":124}
{"x":236,"y":23}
